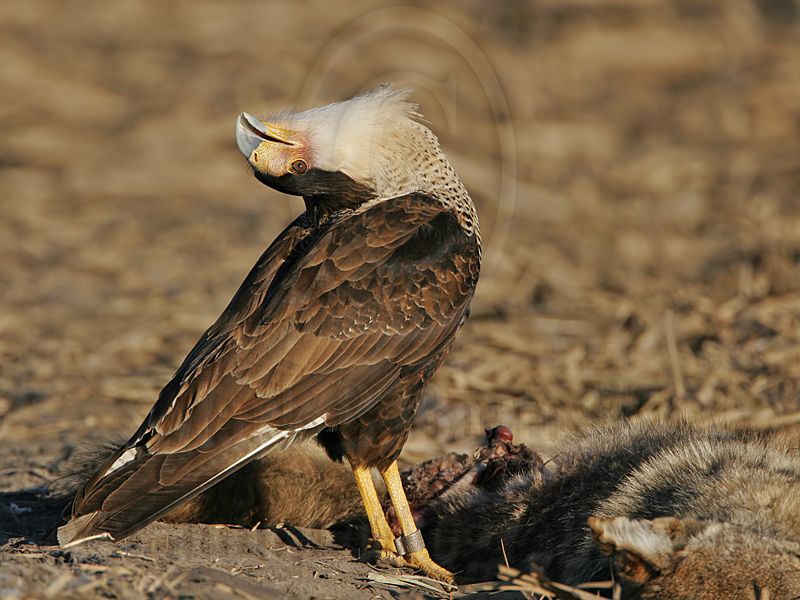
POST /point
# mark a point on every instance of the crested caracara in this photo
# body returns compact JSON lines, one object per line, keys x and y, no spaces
{"x":333,"y":334}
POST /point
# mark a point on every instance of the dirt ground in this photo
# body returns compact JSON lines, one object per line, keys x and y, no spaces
{"x":636,"y":167}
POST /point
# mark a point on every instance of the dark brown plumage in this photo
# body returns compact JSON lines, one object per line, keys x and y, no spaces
{"x":333,"y":333}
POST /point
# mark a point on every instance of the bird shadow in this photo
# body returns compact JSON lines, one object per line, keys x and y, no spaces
{"x":30,"y":516}
{"x":351,"y":535}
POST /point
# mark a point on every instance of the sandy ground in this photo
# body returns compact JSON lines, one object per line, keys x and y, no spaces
{"x":636,"y":166}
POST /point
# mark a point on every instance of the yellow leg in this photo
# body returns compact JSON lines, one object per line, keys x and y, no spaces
{"x":381,"y":532}
{"x":420,"y":557}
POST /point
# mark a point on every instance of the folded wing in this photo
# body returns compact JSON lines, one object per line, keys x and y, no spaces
{"x":323,"y":325}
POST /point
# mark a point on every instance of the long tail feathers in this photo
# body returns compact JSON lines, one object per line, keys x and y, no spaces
{"x":130,"y":492}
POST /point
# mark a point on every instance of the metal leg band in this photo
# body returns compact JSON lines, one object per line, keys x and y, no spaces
{"x":406,"y":544}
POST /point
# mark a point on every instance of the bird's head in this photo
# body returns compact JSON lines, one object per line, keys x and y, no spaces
{"x":362,"y":148}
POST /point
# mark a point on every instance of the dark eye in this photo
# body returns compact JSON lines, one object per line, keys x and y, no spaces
{"x":299,"y":166}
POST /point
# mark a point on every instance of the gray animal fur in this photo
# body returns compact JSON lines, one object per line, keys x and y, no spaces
{"x":676,"y":511}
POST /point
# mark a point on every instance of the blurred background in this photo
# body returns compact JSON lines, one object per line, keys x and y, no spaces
{"x":636,"y":166}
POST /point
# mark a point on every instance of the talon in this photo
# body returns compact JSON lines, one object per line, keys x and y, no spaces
{"x":387,"y":551}
{"x":422,"y":561}
{"x":379,"y":551}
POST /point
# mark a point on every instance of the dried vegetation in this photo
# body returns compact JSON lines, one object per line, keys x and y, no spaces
{"x":645,"y":261}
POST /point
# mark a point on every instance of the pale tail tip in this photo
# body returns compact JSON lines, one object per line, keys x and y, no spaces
{"x":68,"y":535}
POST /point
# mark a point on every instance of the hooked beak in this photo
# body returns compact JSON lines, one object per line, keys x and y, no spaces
{"x":251,"y":132}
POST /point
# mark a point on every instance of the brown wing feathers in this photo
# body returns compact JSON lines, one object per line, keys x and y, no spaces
{"x":325,"y":324}
{"x":139,"y":492}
